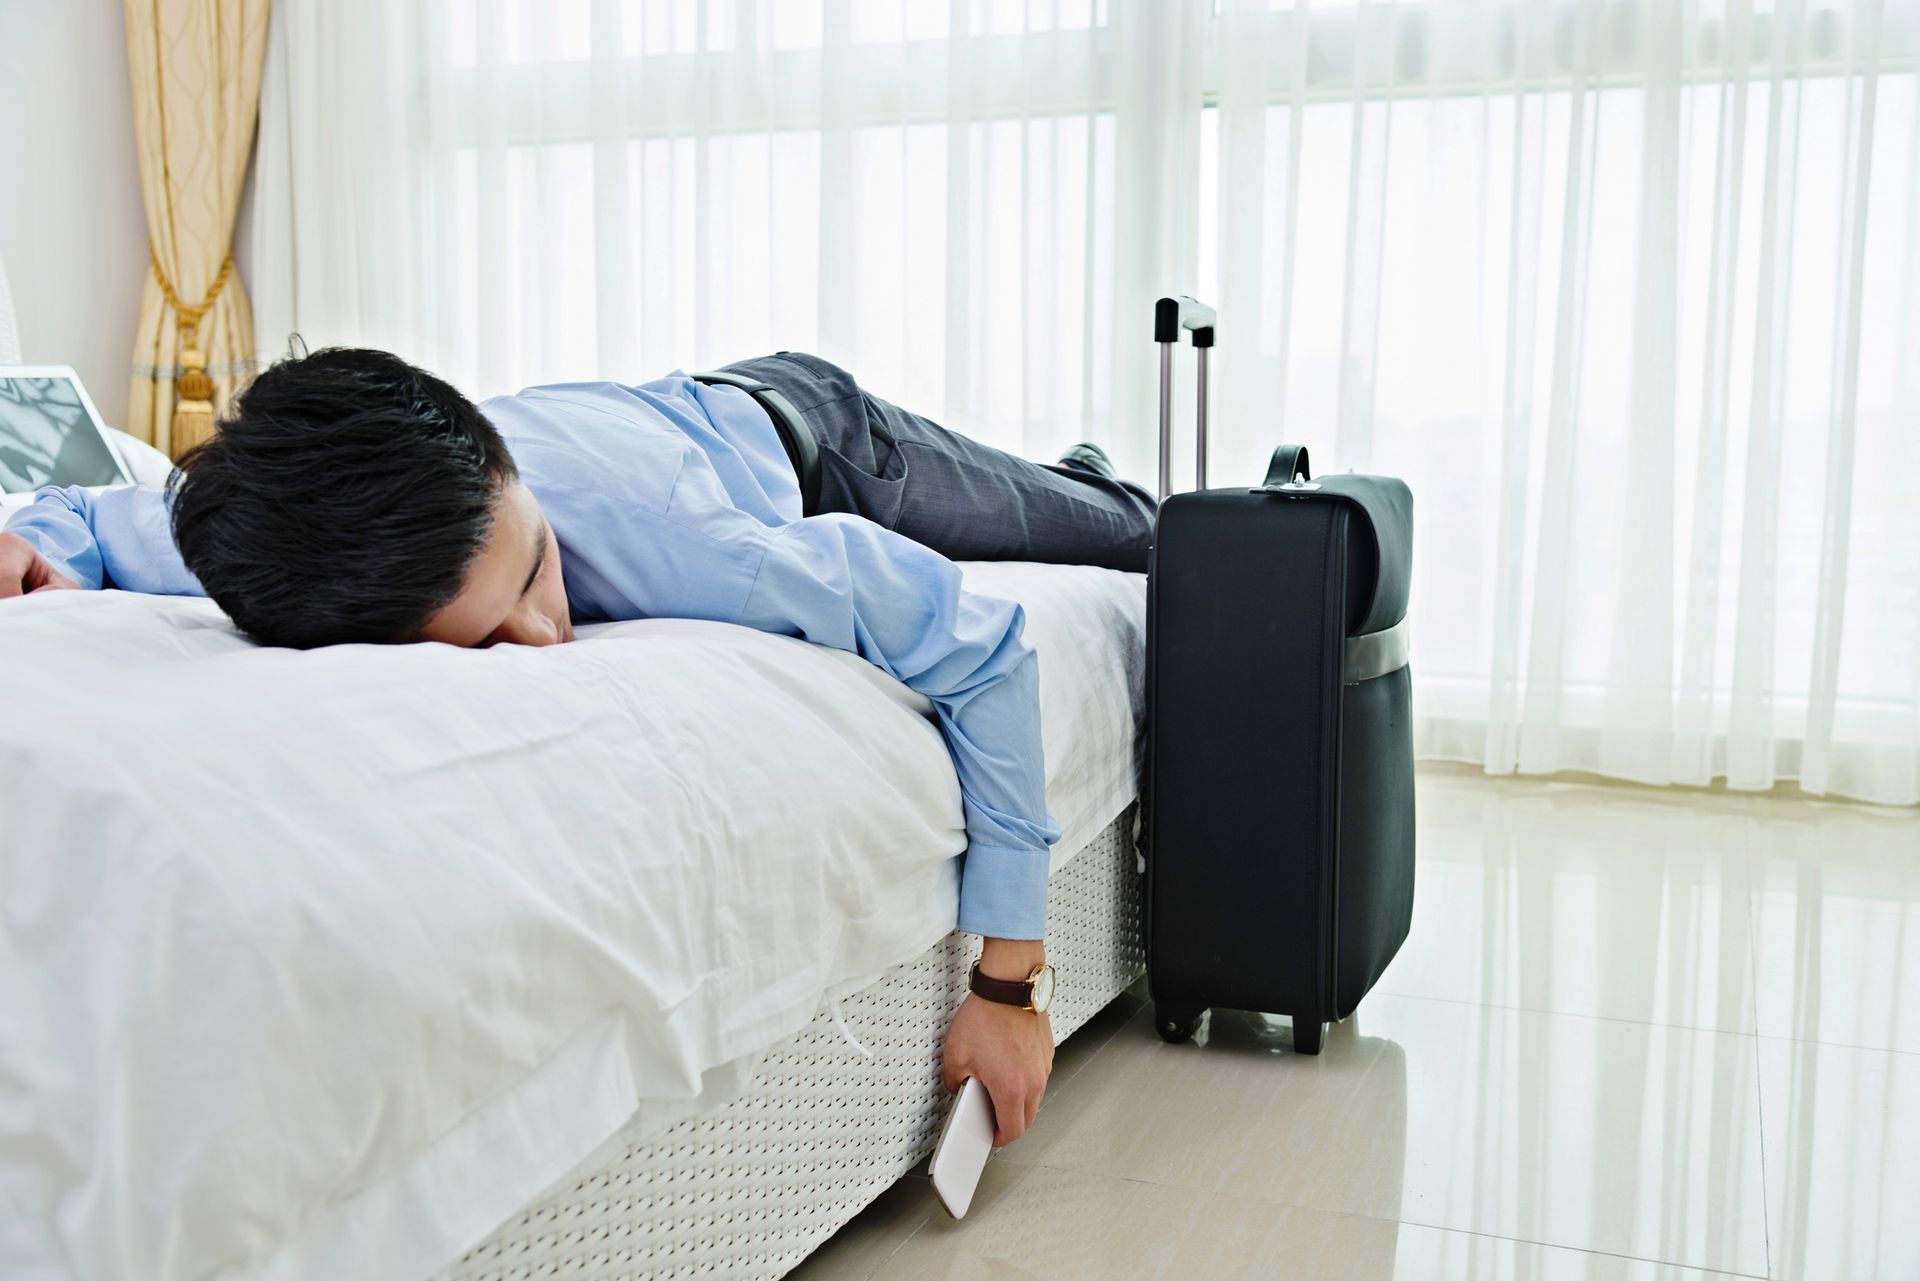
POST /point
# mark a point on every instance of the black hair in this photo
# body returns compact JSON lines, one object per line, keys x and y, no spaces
{"x":342,"y":498}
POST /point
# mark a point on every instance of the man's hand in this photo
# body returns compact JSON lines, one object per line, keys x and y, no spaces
{"x":1007,"y":1049}
{"x":23,"y":570}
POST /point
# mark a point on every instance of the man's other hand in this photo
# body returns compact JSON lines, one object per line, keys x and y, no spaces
{"x":23,"y":570}
{"x":1007,"y":1049}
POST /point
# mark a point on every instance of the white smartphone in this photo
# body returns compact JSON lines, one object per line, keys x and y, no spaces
{"x":961,"y":1155}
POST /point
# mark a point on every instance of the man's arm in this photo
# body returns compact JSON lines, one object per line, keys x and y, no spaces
{"x":844,"y":581}
{"x":116,"y":538}
{"x":849,"y":583}
{"x":1009,"y":1049}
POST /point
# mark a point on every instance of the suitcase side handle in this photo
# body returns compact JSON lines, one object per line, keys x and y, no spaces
{"x":1170,"y":316}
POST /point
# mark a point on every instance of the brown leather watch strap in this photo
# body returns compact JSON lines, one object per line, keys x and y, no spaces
{"x":1006,"y":991}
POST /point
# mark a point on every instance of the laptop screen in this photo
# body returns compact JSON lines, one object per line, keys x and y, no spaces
{"x":48,"y":437}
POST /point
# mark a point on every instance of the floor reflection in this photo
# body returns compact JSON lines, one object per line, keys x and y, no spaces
{"x":1633,"y":1034}
{"x":1063,"y":1214}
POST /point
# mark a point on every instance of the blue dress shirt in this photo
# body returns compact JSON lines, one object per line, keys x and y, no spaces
{"x":674,"y":499}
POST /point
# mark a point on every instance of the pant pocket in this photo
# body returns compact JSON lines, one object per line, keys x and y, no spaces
{"x":847,"y":487}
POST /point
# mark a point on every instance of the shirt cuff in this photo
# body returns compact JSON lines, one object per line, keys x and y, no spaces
{"x":1003,"y":892}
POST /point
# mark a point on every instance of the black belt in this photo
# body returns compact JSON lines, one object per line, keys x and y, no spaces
{"x":796,"y":437}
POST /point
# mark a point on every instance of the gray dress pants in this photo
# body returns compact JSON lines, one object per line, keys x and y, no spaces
{"x":966,"y":500}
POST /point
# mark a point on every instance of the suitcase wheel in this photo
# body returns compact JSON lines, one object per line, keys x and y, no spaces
{"x":1176,"y":1022}
{"x":1308,"y":1034}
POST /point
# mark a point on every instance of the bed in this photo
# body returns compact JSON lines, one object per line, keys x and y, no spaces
{"x":626,"y":958}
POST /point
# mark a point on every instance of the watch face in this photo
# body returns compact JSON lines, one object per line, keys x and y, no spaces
{"x":1043,"y":990}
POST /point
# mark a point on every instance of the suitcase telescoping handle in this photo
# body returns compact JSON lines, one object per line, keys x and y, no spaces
{"x":1170,"y":316}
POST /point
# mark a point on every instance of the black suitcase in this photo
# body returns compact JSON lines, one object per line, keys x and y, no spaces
{"x":1279,"y":790}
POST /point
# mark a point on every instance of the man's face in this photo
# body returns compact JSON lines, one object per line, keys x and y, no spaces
{"x":513,"y":594}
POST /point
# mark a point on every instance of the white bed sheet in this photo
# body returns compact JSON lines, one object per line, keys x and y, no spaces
{"x":321,"y":965}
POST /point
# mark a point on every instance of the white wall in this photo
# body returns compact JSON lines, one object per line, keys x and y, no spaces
{"x":73,"y":234}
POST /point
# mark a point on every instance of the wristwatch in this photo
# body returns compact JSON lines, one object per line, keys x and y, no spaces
{"x":1034,"y":992}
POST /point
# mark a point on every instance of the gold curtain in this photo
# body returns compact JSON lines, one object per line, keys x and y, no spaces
{"x":195,"y":68}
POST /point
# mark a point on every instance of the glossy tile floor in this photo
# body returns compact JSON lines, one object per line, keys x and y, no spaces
{"x":1634,"y":1034}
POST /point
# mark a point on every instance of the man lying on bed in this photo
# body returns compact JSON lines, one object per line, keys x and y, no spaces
{"x":349,"y":496}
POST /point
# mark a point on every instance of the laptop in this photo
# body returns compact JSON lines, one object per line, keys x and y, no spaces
{"x":50,"y":434}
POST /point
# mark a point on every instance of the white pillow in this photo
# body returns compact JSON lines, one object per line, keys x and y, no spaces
{"x":149,"y":466}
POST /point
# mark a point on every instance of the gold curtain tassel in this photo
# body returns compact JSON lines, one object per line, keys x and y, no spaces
{"x":192,"y":386}
{"x":192,"y":400}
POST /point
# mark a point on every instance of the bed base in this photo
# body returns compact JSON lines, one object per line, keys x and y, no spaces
{"x":751,"y":1189}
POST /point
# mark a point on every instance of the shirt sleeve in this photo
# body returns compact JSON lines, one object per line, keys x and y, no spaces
{"x":114,"y":538}
{"x":844,"y":581}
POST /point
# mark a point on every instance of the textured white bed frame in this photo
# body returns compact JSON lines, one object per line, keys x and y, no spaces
{"x":751,"y":1189}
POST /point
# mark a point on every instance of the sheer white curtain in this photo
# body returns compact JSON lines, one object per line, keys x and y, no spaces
{"x":1631,"y":294}
{"x":1628,"y":290}
{"x":9,"y":330}
{"x":935,"y":196}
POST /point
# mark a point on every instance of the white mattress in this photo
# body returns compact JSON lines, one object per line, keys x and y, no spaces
{"x":321,"y":965}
